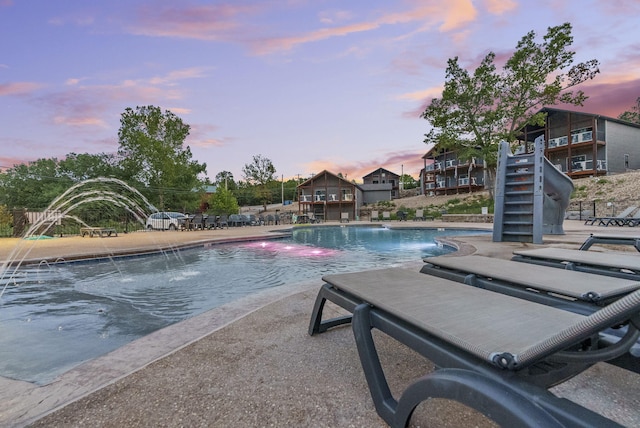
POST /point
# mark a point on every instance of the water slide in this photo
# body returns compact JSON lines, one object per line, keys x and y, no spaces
{"x":557,"y":189}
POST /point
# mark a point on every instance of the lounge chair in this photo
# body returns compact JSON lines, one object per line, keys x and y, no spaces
{"x":620,"y":220}
{"x":611,"y":263}
{"x":374,"y":215}
{"x":344,"y":217}
{"x":495,"y":353}
{"x":419,"y":215}
{"x":611,"y":240}
{"x":401,"y":216}
{"x":386,"y":215}
{"x":567,"y":289}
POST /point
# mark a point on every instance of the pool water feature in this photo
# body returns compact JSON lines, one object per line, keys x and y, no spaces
{"x":57,"y":316}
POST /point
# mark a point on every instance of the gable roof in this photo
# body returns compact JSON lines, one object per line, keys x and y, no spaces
{"x":325,"y":172}
{"x":550,"y":110}
{"x":380,"y":170}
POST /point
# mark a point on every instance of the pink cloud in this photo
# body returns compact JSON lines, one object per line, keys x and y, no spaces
{"x":393,"y":161}
{"x":499,"y":7}
{"x":450,"y":16}
{"x":608,"y":99}
{"x":10,"y":162}
{"x":18,"y":88}
{"x":215,"y":22}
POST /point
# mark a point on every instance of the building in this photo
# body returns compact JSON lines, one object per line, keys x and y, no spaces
{"x":577,"y":143}
{"x":445,"y":174}
{"x":383,"y":180}
{"x":327,"y":196}
{"x":583,"y":144}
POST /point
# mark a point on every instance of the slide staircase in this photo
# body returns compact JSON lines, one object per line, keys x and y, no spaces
{"x":531,"y":196}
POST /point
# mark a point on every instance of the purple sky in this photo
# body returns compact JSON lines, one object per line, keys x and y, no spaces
{"x":309,"y":84}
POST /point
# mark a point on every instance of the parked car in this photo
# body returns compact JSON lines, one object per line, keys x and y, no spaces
{"x":165,"y":220}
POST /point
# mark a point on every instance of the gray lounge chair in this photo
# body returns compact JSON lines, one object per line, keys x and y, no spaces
{"x":611,"y":263}
{"x":611,"y":240}
{"x":620,"y":220}
{"x":568,"y":289}
{"x":344,"y":217}
{"x":374,"y":215}
{"x":495,"y":353}
{"x":386,"y":215}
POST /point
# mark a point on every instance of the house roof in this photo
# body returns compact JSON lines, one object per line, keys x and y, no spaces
{"x":550,"y":110}
{"x":325,"y":172}
{"x":380,"y":170}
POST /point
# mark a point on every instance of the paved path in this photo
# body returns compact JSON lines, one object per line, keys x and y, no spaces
{"x":251,"y":362}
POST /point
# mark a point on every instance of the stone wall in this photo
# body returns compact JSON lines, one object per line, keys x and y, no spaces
{"x":468,"y":218}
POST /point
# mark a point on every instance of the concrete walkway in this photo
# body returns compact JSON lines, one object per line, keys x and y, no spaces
{"x":251,"y":362}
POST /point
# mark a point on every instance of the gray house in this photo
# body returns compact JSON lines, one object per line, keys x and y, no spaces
{"x":584,"y":144}
{"x":380,"y":185}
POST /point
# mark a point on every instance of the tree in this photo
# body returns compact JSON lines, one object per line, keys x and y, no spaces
{"x":259,"y":173}
{"x":479,"y":109}
{"x":34,"y":185}
{"x":84,"y":166}
{"x":223,"y":202}
{"x":408,"y":182}
{"x":225,"y":178}
{"x":632,"y":115}
{"x":153,"y":154}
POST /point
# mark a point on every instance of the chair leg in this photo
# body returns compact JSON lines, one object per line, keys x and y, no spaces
{"x":316,"y":325}
{"x":508,"y":401}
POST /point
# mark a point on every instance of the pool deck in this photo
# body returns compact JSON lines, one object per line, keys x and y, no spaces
{"x":252,"y":363}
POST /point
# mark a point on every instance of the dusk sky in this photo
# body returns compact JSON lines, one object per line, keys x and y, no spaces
{"x":309,"y":84}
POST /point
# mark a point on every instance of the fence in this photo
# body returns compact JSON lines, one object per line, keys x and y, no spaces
{"x":581,"y":210}
{"x":56,"y":225}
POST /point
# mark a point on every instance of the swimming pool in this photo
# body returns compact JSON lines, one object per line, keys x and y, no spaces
{"x":63,"y":314}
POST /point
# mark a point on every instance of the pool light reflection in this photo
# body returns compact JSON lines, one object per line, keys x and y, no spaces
{"x":291,"y":249}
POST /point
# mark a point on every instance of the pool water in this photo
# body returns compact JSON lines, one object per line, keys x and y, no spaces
{"x":57,"y":316}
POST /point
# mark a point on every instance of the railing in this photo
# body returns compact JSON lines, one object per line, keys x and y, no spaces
{"x":305,"y":198}
{"x":320,"y":198}
{"x":348,"y":197}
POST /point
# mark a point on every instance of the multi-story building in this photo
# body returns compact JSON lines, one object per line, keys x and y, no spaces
{"x":327,"y":196}
{"x":583,"y":144}
{"x":445,"y":174}
{"x":381,"y":177}
{"x":577,"y":143}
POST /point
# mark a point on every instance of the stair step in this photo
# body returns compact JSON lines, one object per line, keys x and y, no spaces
{"x":518,"y":192}
{"x":517,"y":233}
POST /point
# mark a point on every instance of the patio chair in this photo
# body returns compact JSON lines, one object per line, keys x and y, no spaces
{"x":197,"y":222}
{"x":419,"y":215}
{"x":611,"y":263}
{"x":374,"y":215}
{"x":401,"y":216}
{"x":386,"y":215}
{"x":344,"y":217}
{"x":223,"y":221}
{"x":495,"y":353}
{"x":211,"y":221}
